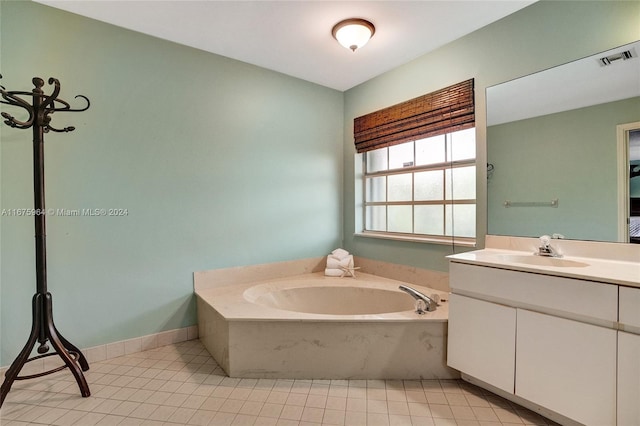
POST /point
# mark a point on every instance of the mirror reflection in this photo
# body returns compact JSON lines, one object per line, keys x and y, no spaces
{"x":564,"y":152}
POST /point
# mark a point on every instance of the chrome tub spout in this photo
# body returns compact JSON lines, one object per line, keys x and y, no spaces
{"x":429,"y":304}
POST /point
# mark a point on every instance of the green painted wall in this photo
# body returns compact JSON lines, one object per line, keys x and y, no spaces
{"x":545,"y":34}
{"x":218,"y":163}
{"x":570,"y":156}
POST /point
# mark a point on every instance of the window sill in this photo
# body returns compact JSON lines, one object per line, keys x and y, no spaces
{"x":451,"y":241}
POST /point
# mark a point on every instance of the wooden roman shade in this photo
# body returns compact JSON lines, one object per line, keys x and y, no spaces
{"x":444,"y":111}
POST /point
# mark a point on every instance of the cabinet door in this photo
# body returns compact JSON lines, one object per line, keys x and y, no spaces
{"x":481,"y":340}
{"x":567,"y":366}
{"x":628,"y":379}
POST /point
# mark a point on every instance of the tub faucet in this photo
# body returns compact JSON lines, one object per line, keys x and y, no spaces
{"x":429,"y":303}
{"x":545,"y":248}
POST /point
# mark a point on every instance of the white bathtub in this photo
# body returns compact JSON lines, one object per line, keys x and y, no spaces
{"x":314,"y":327}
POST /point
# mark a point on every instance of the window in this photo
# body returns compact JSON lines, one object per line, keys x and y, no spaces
{"x":423,"y":188}
{"x":419,"y":174}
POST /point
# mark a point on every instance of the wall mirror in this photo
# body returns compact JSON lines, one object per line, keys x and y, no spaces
{"x":563,"y":149}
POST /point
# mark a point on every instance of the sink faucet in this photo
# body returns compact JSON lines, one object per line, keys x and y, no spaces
{"x":545,"y":248}
{"x":429,"y":303}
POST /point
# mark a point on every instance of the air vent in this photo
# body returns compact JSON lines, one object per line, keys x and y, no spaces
{"x":608,"y":60}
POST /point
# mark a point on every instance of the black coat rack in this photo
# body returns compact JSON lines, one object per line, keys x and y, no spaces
{"x":43,"y":329}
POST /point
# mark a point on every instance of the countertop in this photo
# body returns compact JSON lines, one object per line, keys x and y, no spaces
{"x":607,"y":271}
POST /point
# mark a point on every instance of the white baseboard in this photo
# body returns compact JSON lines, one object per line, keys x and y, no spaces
{"x":115,"y":349}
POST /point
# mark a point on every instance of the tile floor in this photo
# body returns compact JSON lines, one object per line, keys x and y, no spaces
{"x":181,"y":384}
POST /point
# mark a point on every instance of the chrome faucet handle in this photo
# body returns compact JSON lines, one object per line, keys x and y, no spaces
{"x":545,"y":241}
{"x":545,"y":248}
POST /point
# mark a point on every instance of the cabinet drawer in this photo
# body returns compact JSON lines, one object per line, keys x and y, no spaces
{"x":555,"y":295}
{"x":630,"y":306}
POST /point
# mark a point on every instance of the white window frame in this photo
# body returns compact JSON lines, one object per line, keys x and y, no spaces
{"x":429,"y":238}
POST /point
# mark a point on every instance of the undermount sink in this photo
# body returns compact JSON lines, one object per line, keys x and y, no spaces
{"x":543,"y":261}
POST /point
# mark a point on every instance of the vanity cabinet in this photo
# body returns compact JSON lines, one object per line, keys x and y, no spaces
{"x":482,"y":340}
{"x":629,"y":358}
{"x":544,"y":339}
{"x":567,"y":366}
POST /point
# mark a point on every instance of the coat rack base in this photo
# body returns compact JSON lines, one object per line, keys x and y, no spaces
{"x":44,"y":331}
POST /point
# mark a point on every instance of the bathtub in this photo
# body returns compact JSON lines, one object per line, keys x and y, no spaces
{"x":309,"y":326}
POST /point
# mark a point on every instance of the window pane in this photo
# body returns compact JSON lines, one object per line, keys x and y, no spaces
{"x":376,"y":160}
{"x":376,"y":218}
{"x":401,"y":155}
{"x":461,"y":183}
{"x":400,"y":187}
{"x":376,"y":189}
{"x":429,"y":220}
{"x":462,"y":145}
{"x":400,"y":219}
{"x":429,"y":185}
{"x":463,"y":220}
{"x":430,"y":150}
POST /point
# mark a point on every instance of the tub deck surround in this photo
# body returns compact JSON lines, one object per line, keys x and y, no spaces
{"x":242,"y":302}
{"x":256,"y":340}
{"x":613,"y":263}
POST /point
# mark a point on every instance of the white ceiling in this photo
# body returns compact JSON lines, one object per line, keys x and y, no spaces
{"x":294,"y":37}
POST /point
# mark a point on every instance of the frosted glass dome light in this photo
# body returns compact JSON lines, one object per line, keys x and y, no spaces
{"x":353,"y":33}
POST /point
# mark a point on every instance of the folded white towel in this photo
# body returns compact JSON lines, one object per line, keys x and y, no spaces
{"x":347,"y":262}
{"x":330,"y":272}
{"x":333,"y":262}
{"x":340,"y":253}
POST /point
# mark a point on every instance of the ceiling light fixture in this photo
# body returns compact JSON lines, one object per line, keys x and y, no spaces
{"x":353,"y":33}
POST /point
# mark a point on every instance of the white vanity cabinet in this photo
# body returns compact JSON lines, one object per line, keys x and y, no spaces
{"x":567,"y":366}
{"x":482,"y":340}
{"x":544,"y":339}
{"x":629,"y":358}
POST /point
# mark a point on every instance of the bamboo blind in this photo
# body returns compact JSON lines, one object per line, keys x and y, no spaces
{"x":443,"y":111}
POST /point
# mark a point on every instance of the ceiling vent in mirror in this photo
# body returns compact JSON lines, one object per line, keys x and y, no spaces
{"x":608,"y":60}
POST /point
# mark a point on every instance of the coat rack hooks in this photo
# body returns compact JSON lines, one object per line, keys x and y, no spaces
{"x":43,"y":331}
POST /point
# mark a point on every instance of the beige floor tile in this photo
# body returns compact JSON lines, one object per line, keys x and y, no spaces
{"x":507,"y":416}
{"x":333,"y":417}
{"x":456,"y":399}
{"x":296,"y":399}
{"x":70,"y":418}
{"x":441,"y":411}
{"x":125,"y":408}
{"x":244,"y":420}
{"x":90,"y":419}
{"x":336,"y":403}
{"x":462,"y":412}
{"x":356,"y":404}
{"x":110,"y":420}
{"x":316,"y":401}
{"x":355,"y":418}
{"x":377,"y":407}
{"x":398,"y":408}
{"x":400,"y":420}
{"x":231,"y":406}
{"x":182,"y":384}
{"x":377,"y":419}
{"x":271,"y":410}
{"x":311,"y":414}
{"x":202,"y":418}
{"x":182,"y":415}
{"x":419,"y":409}
{"x":251,"y":408}
{"x":292,"y":412}
{"x":377,"y":394}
